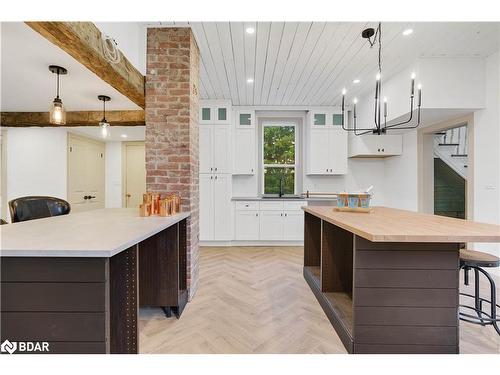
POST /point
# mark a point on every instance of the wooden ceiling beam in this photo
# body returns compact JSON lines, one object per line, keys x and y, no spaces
{"x":82,"y":40}
{"x":73,"y":118}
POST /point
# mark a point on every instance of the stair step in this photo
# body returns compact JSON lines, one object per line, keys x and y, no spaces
{"x":449,"y":144}
{"x":459,"y":155}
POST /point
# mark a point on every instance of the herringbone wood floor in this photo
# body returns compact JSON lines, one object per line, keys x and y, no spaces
{"x":255,"y":300}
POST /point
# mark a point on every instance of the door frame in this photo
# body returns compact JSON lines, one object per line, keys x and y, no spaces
{"x":124,"y":167}
{"x":425,"y":143}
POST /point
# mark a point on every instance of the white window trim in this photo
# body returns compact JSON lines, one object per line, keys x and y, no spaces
{"x":296,"y":140}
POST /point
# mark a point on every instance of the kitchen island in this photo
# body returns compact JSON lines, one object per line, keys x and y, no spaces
{"x":388,"y":280}
{"x":76,"y":281}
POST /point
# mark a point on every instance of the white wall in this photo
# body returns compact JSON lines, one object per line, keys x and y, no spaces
{"x":487,"y":154}
{"x":36,"y":162}
{"x":131,"y":40}
{"x":113,"y":167}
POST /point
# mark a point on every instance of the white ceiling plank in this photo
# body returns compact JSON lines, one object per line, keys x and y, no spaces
{"x":348,"y":48}
{"x":207,"y":60}
{"x":225,"y":42}
{"x":238,"y":46}
{"x":262,"y":39}
{"x":250,"y":45}
{"x":273,"y":48}
{"x":315,"y":33}
{"x":298,"y":45}
{"x":317,"y":55}
{"x":289,"y":33}
{"x":210,"y":29}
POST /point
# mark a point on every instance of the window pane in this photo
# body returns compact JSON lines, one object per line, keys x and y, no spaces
{"x":337,"y":119}
{"x":205,"y":114}
{"x":272,"y":177}
{"x":319,"y":119}
{"x":222,"y":114}
{"x":245,"y":119}
{"x":279,"y":145}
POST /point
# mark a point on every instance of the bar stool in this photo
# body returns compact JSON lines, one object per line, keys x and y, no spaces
{"x":37,"y":207}
{"x":476,"y":260}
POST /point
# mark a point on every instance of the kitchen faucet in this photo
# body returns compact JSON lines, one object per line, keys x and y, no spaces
{"x":282,"y":177}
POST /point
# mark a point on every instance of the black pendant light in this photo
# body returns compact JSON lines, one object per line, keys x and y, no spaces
{"x":381,"y":126}
{"x":103,"y":124}
{"x":57,"y":111}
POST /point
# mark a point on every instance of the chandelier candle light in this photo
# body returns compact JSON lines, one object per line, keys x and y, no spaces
{"x":378,"y":128}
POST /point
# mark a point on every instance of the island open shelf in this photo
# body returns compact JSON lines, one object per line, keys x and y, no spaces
{"x":388,"y":280}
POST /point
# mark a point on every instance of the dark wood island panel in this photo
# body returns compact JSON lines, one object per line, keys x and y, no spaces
{"x":90,"y":304}
{"x":383,"y":297}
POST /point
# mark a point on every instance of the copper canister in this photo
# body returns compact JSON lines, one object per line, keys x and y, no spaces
{"x":163,"y":207}
{"x":143,"y":210}
{"x":176,"y":201}
{"x":169,"y":205}
{"x":154,"y":204}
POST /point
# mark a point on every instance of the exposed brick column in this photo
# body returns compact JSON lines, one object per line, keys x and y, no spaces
{"x":172,"y":126}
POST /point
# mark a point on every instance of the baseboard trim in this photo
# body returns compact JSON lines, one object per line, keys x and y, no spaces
{"x":250,"y":243}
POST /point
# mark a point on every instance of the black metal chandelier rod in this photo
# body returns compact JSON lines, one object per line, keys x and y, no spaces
{"x":378,"y":129}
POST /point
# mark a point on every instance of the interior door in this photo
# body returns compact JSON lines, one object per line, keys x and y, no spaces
{"x":85,"y":173}
{"x":135,"y":173}
{"x":206,"y":207}
{"x":223,"y":208}
{"x":206,"y":149}
{"x":222,"y":149}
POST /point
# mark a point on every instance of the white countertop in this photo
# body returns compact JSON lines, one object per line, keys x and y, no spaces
{"x":315,"y":198}
{"x":97,"y":233}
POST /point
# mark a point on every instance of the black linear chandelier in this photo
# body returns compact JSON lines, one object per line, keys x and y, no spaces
{"x":381,"y":126}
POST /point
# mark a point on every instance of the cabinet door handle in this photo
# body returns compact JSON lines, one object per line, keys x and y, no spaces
{"x":216,"y":169}
{"x":256,"y":214}
{"x":286,"y":214}
{"x":211,"y":177}
{"x":216,"y":177}
{"x":211,"y":169}
{"x":383,"y":150}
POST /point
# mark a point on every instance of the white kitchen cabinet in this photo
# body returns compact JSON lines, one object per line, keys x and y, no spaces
{"x":329,"y":118}
{"x":327,"y":152}
{"x":245,"y":118}
{"x":271,"y":225}
{"x":293,"y":225}
{"x":215,"y":112}
{"x":206,"y":149}
{"x":375,"y":146}
{"x":222,"y":149}
{"x":245,"y":153}
{"x":215,"y":149}
{"x":206,"y":207}
{"x":269,"y":220}
{"x":215,"y":207}
{"x":247,"y":225}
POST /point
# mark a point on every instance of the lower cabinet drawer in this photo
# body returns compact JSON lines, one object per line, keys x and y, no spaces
{"x":247,"y":205}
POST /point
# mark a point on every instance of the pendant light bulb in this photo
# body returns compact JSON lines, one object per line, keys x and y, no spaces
{"x":413,"y":75}
{"x":104,"y":125}
{"x":344,"y":91}
{"x":57,"y":112}
{"x":377,"y":77}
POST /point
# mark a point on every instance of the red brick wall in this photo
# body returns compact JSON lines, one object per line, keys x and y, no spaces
{"x":172,"y":97}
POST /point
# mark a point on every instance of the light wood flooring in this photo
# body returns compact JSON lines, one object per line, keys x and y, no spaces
{"x":255,"y":300}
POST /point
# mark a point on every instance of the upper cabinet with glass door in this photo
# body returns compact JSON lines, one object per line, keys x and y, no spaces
{"x":215,"y":112}
{"x":244,"y":118}
{"x":325,"y":118}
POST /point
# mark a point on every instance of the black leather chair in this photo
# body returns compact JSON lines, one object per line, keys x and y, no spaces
{"x":33,"y":207}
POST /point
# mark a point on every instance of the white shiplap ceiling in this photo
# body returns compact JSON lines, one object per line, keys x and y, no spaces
{"x":308,"y":63}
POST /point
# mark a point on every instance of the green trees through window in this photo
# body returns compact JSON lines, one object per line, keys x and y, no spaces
{"x":279,"y":159}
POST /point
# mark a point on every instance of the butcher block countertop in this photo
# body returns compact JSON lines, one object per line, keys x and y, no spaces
{"x":392,"y":225}
{"x":97,"y":233}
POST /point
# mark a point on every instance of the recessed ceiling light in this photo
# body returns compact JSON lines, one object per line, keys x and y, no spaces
{"x":250,"y":80}
{"x":124,"y":135}
{"x":356,"y":81}
{"x":250,"y":30}
{"x":407,"y":32}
